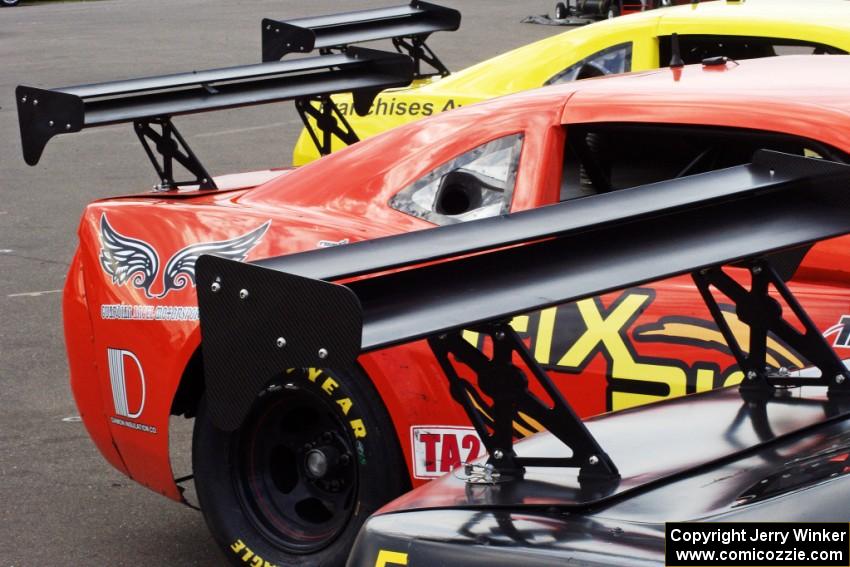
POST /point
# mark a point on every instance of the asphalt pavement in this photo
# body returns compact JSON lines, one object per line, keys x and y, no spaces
{"x":60,"y":502}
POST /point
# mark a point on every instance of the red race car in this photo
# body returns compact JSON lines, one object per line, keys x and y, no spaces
{"x":292,"y":475}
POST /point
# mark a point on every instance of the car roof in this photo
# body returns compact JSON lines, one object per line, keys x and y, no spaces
{"x":802,"y":95}
{"x":819,"y":21}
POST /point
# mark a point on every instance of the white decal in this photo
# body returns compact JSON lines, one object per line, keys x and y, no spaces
{"x":439,"y":449}
{"x":121,"y":311}
{"x":331,"y":243}
{"x":118,"y":376}
{"x":841,"y":330}
{"x":127,"y":259}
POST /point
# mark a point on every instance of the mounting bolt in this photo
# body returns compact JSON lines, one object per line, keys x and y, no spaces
{"x":68,"y":126}
{"x":500,"y":336}
{"x":23,"y":99}
{"x":215,"y":287}
{"x":50,"y":122}
{"x":751,"y":375}
{"x":243,"y":294}
{"x":35,"y":102}
{"x":756,"y":270}
{"x":498,"y":454}
{"x":839,"y":379}
{"x":323,"y":353}
{"x":280,"y":342}
{"x":593,"y":460}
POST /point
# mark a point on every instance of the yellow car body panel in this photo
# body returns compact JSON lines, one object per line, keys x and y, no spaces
{"x":824,"y":22}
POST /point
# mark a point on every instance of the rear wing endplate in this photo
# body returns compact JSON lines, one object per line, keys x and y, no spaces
{"x":150,"y":102}
{"x":408,"y":26}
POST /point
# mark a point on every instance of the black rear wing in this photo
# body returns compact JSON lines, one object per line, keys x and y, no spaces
{"x":408,"y":26}
{"x":762,"y":216}
{"x":153,"y":101}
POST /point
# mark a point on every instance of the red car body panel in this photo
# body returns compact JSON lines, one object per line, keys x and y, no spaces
{"x":631,"y":347}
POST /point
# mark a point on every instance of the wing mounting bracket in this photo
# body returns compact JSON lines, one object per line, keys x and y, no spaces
{"x":171,"y":147}
{"x":329,"y":121}
{"x":764,"y":316}
{"x":418,"y":50}
{"x":507,"y":385}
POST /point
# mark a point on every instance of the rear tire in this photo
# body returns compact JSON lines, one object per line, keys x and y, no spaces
{"x":9,"y":3}
{"x":315,"y":457}
{"x":561,"y":11}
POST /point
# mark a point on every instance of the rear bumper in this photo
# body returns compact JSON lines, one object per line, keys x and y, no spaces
{"x":85,"y":384}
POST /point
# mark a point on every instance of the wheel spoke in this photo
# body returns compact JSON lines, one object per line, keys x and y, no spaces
{"x":303,"y":504}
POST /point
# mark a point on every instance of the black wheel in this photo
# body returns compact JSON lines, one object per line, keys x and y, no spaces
{"x":561,"y":11}
{"x":9,"y":2}
{"x":315,"y":457}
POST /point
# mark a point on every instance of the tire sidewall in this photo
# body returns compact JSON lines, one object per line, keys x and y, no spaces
{"x":381,"y":472}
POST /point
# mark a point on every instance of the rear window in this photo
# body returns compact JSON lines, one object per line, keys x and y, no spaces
{"x":610,"y":61}
{"x":695,"y":48}
{"x":604,"y":157}
{"x":474,"y":185}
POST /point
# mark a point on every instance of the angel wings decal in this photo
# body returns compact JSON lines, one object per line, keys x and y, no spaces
{"x":128,"y":259}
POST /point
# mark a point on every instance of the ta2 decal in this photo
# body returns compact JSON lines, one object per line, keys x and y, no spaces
{"x":132,"y":260}
{"x":439,"y":449}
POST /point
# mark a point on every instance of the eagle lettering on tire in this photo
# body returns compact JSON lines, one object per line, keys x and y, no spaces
{"x":294,"y":483}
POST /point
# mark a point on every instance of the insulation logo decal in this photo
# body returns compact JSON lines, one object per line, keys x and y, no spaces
{"x":134,"y":261}
{"x":128,"y":389}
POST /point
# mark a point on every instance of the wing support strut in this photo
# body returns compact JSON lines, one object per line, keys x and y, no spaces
{"x":764,"y":316}
{"x":329,"y":121}
{"x":171,"y":147}
{"x":507,"y":385}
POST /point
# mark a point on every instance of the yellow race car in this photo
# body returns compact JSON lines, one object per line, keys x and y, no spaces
{"x":738,"y":30}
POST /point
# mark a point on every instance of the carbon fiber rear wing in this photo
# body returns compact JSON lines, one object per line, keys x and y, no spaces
{"x":153,"y":101}
{"x":409,"y":26}
{"x":480,"y":274}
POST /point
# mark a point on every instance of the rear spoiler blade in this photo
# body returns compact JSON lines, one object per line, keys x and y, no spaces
{"x":415,"y":21}
{"x":584,"y":248}
{"x":44,"y":113}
